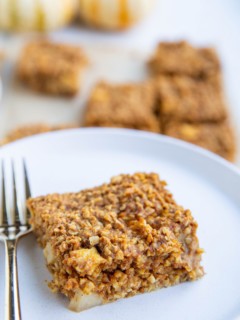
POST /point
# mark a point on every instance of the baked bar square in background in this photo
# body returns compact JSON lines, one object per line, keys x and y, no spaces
{"x":124,"y":106}
{"x":183,"y":98}
{"x":52,"y":68}
{"x":117,"y":240}
{"x":32,"y":129}
{"x":173,"y":58}
{"x":216,"y":137}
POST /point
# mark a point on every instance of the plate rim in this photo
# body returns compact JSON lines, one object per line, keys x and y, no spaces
{"x":128,"y":132}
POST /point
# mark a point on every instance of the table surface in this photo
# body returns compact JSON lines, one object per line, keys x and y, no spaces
{"x":202,"y":22}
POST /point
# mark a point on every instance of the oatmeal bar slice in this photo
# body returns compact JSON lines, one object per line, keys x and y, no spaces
{"x":216,"y":137}
{"x":122,"y":105}
{"x":32,"y":129}
{"x":174,"y":58}
{"x":186,"y":99}
{"x":116,"y":240}
{"x":52,"y":68}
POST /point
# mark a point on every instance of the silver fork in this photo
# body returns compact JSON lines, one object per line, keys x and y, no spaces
{"x":11,"y":230}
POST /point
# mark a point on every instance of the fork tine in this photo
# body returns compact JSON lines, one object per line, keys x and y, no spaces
{"x":4,"y":217}
{"x":27,"y":185}
{"x":27,"y":189}
{"x":17,"y":218}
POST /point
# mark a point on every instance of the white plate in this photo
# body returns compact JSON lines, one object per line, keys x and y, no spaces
{"x":205,"y":183}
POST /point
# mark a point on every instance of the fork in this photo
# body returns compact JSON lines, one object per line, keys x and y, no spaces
{"x":11,"y":230}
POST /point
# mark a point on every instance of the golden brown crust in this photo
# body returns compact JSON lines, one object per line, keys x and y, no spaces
{"x":182,"y":98}
{"x":51,"y":68}
{"x":32,"y":129}
{"x":117,"y":240}
{"x":180,"y":58}
{"x":216,"y":137}
{"x":124,"y":106}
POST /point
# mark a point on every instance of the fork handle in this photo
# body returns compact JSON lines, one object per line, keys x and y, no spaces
{"x":12,"y":303}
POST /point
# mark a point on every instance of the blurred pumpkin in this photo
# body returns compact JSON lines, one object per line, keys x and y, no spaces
{"x":114,"y":14}
{"x":42,"y":15}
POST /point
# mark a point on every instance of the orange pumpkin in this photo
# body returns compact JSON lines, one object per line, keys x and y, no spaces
{"x":114,"y":14}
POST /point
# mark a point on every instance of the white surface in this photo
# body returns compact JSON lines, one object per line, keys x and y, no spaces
{"x":203,"y":22}
{"x":205,"y":183}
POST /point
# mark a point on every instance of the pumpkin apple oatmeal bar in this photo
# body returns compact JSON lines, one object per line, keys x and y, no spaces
{"x":122,"y":105}
{"x":183,"y":98}
{"x":52,"y":68}
{"x":180,"y":58}
{"x":117,"y":240}
{"x":216,"y":137}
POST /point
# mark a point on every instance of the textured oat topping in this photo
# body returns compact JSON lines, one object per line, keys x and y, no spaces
{"x":186,"y":99}
{"x":32,"y":129}
{"x":52,"y":68}
{"x":116,"y":240}
{"x":126,"y":106}
{"x":180,"y":58}
{"x":216,"y":137}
